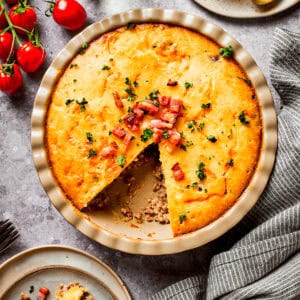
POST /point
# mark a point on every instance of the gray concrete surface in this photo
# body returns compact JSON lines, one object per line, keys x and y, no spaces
{"x":22,"y":198}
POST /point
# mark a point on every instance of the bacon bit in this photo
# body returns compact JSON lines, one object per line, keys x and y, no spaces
{"x":132,"y":122}
{"x":177,"y":172}
{"x":117,"y":99}
{"x":164,"y":100}
{"x":174,"y":137}
{"x":80,"y":182}
{"x":160,"y":124}
{"x":175,"y":105}
{"x":139,"y":112}
{"x":172,"y":82}
{"x":127,"y":139}
{"x":169,"y":117}
{"x":110,"y":150}
{"x":119,"y":132}
{"x":157,"y":135}
{"x":44,"y":290}
{"x":149,"y":107}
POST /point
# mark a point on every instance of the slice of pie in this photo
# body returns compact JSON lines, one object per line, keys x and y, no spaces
{"x":155,"y":83}
{"x":73,"y":291}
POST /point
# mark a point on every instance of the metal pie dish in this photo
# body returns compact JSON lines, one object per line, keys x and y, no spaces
{"x":119,"y":235}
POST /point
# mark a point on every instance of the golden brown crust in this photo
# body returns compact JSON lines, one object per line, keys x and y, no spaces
{"x":151,"y":55}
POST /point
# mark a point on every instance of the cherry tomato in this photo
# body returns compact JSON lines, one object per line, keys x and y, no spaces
{"x":3,"y":22}
{"x":30,"y":57}
{"x":23,"y":16}
{"x":6,"y":43}
{"x":10,"y":78}
{"x":10,"y":2}
{"x":69,"y":14}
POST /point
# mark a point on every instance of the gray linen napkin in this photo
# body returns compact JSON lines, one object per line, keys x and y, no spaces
{"x":264,"y":262}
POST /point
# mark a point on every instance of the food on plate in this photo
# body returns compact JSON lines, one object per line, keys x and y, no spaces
{"x":156,"y":84}
{"x":42,"y":294}
{"x":73,"y":291}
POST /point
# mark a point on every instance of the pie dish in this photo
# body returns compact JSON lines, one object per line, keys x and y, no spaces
{"x":251,"y":111}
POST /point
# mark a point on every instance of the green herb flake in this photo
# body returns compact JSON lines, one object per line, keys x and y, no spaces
{"x":83,"y":47}
{"x":105,"y":67}
{"x":188,"y":85}
{"x":82,"y":104}
{"x":243,"y":119}
{"x":183,"y":147}
{"x":226,"y":52}
{"x":68,"y":101}
{"x":89,"y":137}
{"x":127,"y":81}
{"x":194,"y":184}
{"x":189,"y":143}
{"x":111,"y":59}
{"x":200,"y":172}
{"x":147,"y":134}
{"x":135,"y":83}
{"x":129,"y":110}
{"x":92,"y":153}
{"x":31,"y":289}
{"x":191,"y":125}
{"x":110,"y":132}
{"x":130,"y":92}
{"x":74,"y":80}
{"x":247,"y":81}
{"x":206,"y":105}
{"x":182,"y":217}
{"x":231,"y":162}
{"x":212,"y":138}
{"x":121,"y":160}
{"x":130,"y":26}
{"x":153,"y":95}
{"x":73,"y":66}
{"x":165,"y":134}
{"x":200,"y":126}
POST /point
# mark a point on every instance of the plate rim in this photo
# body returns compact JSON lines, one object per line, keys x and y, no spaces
{"x":35,"y":250}
{"x":190,"y":240}
{"x":252,"y":16}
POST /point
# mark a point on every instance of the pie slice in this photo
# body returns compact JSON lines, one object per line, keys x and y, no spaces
{"x":155,"y":83}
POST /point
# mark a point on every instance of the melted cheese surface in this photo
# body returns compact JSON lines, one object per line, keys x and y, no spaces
{"x":151,"y":54}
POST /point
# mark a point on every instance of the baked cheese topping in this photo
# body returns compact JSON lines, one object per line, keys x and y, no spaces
{"x":73,"y":291}
{"x":155,"y":83}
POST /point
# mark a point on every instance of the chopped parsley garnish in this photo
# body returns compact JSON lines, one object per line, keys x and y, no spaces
{"x":105,"y":67}
{"x":191,"y":125}
{"x":135,"y":83}
{"x":130,"y":92}
{"x":153,"y":95}
{"x":194,"y":184}
{"x":247,"y":81}
{"x":182,"y":217}
{"x":92,"y":153}
{"x":89,"y":137}
{"x":243,"y":118}
{"x":130,"y":26}
{"x":206,"y":105}
{"x":111,"y":59}
{"x":127,"y":81}
{"x":231,"y":162}
{"x":226,"y":52}
{"x":31,"y":289}
{"x":212,"y":138}
{"x":74,"y":80}
{"x":188,"y":85}
{"x":68,"y":101}
{"x":183,"y":147}
{"x":201,"y":171}
{"x":110,"y":132}
{"x":189,"y":143}
{"x":73,"y":66}
{"x":147,"y":134}
{"x":156,"y":103}
{"x":201,"y":126}
{"x":121,"y":160}
{"x":83,"y":47}
{"x":165,"y":134}
{"x":129,"y":110}
{"x":82,"y":104}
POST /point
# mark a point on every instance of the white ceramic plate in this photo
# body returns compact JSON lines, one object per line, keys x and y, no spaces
{"x":245,"y":8}
{"x":50,"y":266}
{"x":151,"y":238}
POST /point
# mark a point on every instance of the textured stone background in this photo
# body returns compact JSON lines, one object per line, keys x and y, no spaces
{"x":22,"y":197}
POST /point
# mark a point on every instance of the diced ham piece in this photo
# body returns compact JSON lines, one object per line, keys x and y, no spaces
{"x":164,"y":100}
{"x":127,"y":139}
{"x":177,"y":172}
{"x":117,"y":99}
{"x":119,"y":132}
{"x":149,"y":107}
{"x":132,"y":121}
{"x":175,"y":105}
{"x":160,"y":124}
{"x":157,"y":135}
{"x":169,"y":117}
{"x":174,"y":137}
{"x":139,"y":113}
{"x":110,"y":150}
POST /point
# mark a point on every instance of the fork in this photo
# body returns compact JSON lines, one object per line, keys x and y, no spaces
{"x":8,"y":234}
